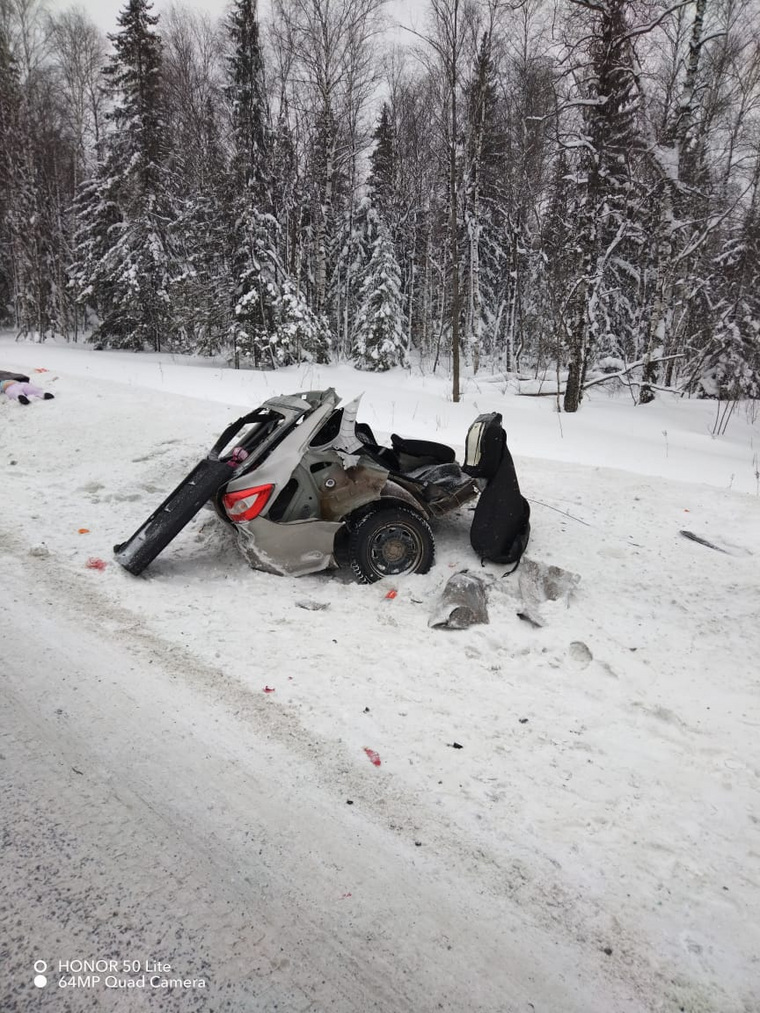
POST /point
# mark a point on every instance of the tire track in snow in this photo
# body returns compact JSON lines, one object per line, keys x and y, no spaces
{"x":244,"y":731}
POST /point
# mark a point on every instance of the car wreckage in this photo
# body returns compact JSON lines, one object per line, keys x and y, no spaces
{"x":306,"y":487}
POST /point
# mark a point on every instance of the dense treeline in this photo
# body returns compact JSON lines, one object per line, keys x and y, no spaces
{"x":568,"y":188}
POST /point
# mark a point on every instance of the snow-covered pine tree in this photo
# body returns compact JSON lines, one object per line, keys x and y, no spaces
{"x":606,"y":227}
{"x":204,"y":231}
{"x":287,"y":193}
{"x":247,"y":97}
{"x":383,"y":176}
{"x":192,"y":74}
{"x":125,"y":257}
{"x":490,"y":288}
{"x":379,"y":342}
{"x":379,"y":204}
{"x":272,"y":324}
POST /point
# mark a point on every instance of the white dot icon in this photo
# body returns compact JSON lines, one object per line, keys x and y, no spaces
{"x":40,"y":966}
{"x":40,"y":980}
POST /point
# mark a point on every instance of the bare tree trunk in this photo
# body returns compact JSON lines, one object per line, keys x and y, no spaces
{"x":454,"y":231}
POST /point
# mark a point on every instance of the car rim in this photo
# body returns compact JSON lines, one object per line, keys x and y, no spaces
{"x":395,"y":549}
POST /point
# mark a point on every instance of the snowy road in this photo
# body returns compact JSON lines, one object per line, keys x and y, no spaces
{"x":136,"y":835}
{"x":592,"y":847}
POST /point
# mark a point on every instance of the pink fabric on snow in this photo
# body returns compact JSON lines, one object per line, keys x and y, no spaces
{"x":13,"y":390}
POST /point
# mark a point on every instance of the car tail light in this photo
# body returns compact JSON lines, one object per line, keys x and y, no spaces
{"x":245,"y":504}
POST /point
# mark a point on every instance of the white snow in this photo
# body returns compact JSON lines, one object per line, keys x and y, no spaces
{"x":594,"y":843}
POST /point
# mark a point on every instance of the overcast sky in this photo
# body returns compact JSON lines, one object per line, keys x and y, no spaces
{"x":105,"y":12}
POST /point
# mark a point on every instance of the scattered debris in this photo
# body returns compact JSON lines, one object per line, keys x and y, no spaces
{"x":373,"y":756}
{"x":96,"y":563}
{"x":703,"y":541}
{"x":607,"y":950}
{"x":462,"y":604}
{"x":269,"y":689}
{"x":523,"y":721}
{"x":83,"y":531}
{"x":349,"y":801}
{"x":539,"y":583}
{"x":312,"y":606}
{"x":455,"y":745}
{"x":392,"y":593}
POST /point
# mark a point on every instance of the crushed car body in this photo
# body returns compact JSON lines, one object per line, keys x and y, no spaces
{"x":306,"y":487}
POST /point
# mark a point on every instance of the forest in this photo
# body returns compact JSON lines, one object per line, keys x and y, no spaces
{"x":566,"y":189}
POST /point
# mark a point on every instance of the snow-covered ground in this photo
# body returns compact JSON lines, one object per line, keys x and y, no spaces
{"x":594,"y":845}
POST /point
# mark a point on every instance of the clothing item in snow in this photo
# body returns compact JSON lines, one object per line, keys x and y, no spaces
{"x":21,"y":392}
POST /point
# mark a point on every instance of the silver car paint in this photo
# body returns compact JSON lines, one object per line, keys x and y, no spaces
{"x":296,"y":548}
{"x":304,"y":545}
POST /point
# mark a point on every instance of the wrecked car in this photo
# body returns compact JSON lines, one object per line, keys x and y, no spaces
{"x":306,"y":487}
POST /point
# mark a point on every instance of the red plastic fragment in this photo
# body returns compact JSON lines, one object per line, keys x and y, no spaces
{"x":41,"y":369}
{"x":374,"y":757}
{"x":269,"y":689}
{"x":392,"y":594}
{"x":83,"y":531}
{"x":95,"y":563}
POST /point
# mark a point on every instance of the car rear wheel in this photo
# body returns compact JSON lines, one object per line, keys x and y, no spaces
{"x":388,"y":542}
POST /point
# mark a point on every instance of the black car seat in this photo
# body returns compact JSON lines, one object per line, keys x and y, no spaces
{"x":501,"y":523}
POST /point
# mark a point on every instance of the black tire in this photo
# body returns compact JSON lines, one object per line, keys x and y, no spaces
{"x":390,"y":541}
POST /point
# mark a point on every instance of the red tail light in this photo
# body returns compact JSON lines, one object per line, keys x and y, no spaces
{"x":245,"y":504}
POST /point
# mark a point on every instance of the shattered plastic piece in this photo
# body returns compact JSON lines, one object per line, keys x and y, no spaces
{"x":347,"y":440}
{"x":269,"y":689}
{"x":462,"y":604}
{"x":539,"y":583}
{"x":373,"y":756}
{"x":312,"y":606}
{"x":392,"y":593}
{"x":702,"y":541}
{"x":83,"y":531}
{"x":41,"y":369}
{"x":96,"y":563}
